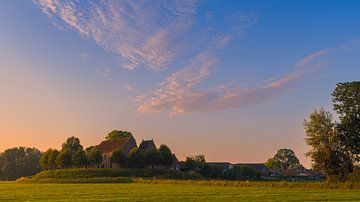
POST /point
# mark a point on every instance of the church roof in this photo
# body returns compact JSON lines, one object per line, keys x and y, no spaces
{"x":112,"y":145}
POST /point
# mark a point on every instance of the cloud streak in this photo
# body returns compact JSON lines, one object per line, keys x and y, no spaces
{"x":139,"y":32}
{"x":178,"y":93}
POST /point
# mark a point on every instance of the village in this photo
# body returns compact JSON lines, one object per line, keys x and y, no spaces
{"x":120,"y":150}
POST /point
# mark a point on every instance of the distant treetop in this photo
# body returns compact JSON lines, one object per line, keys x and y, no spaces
{"x":116,"y":134}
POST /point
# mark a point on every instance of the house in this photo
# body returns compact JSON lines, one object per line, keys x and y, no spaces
{"x":146,"y":145}
{"x":126,"y":144}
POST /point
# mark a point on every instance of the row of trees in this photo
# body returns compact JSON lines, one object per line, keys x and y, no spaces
{"x":198,"y":164}
{"x":138,"y":158}
{"x":335,"y":146}
{"x":19,"y":162}
{"x":72,"y":155}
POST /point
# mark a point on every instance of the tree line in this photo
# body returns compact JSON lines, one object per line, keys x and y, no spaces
{"x":72,"y":155}
{"x":197,"y":163}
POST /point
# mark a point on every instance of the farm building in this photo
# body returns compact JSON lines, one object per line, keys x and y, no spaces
{"x":126,"y":144}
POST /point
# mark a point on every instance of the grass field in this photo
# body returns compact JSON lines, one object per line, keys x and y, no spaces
{"x":12,"y":191}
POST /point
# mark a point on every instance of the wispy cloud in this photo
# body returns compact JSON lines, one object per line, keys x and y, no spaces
{"x":159,"y":34}
{"x":178,"y":93}
{"x":139,"y":32}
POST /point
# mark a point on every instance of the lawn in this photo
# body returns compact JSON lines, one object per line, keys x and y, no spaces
{"x":12,"y":191}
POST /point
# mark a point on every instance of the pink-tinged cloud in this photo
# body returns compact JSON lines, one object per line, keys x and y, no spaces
{"x":139,"y":32}
{"x":178,"y":93}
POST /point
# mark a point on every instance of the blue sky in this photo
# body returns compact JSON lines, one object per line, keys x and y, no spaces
{"x":230,"y":79}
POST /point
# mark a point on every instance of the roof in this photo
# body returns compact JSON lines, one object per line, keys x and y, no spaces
{"x":147,"y":144}
{"x":112,"y":145}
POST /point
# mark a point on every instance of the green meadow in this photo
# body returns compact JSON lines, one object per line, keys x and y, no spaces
{"x":13,"y":191}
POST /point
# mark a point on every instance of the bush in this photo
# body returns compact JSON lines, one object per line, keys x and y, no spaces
{"x":354,"y":176}
{"x":333,"y":179}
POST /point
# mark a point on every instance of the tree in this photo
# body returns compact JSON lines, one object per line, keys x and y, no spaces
{"x":326,"y":152}
{"x":196,"y":162}
{"x":72,"y":144}
{"x":119,"y":158}
{"x":116,"y":134}
{"x":152,"y":157}
{"x":79,"y":158}
{"x":52,"y":159}
{"x":283,"y":160}
{"x":19,"y":162}
{"x":166,"y":158}
{"x":63,"y":160}
{"x":136,"y":158}
{"x":44,"y":159}
{"x":346,"y":101}
{"x":94,"y":156}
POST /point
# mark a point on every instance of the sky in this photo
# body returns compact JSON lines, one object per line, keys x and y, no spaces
{"x":230,"y":79}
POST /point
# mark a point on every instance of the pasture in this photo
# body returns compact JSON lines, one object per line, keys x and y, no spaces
{"x":139,"y":191}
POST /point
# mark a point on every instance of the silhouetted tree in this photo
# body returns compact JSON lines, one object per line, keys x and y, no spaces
{"x":166,"y":158}
{"x":152,"y":157}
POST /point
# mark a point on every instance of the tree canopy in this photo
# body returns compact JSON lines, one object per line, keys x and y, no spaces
{"x":119,"y":158}
{"x":72,"y":144}
{"x":326,"y":152}
{"x":18,"y":162}
{"x":283,"y":160}
{"x":93,"y":156}
{"x":346,"y":100}
{"x":116,"y":134}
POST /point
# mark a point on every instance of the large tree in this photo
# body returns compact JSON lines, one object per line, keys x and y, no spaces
{"x":79,"y":160}
{"x":326,"y":151}
{"x":166,"y":158}
{"x":283,"y":160}
{"x":63,"y":160}
{"x":72,"y":144}
{"x":116,"y":134}
{"x":346,"y":99}
{"x":19,"y":162}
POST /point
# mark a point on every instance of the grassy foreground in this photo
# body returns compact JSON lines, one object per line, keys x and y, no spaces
{"x":13,"y":191}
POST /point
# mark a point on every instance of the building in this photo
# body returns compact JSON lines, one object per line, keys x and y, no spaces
{"x":107,"y":148}
{"x":146,"y":145}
